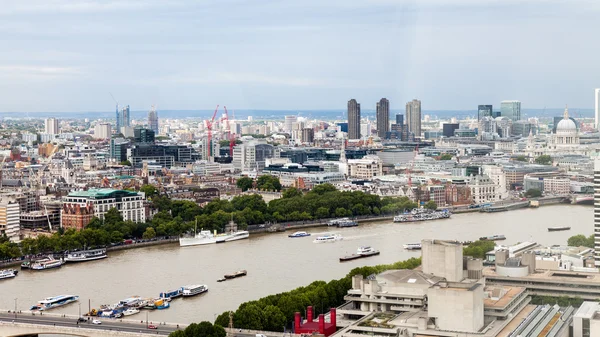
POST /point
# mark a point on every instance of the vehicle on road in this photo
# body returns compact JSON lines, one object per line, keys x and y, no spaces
{"x":96,"y":322}
{"x":81,"y":319}
{"x":152,"y":326}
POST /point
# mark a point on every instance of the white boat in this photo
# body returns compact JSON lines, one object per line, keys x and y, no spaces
{"x":195,"y":289}
{"x":86,"y":255}
{"x":47,"y":263}
{"x":299,"y":235}
{"x":134,"y":301}
{"x":328,"y":238}
{"x":234,"y":236}
{"x":54,"y":302}
{"x":7,"y":273}
{"x":202,"y":238}
{"x":412,"y":246}
{"x":130,"y":311}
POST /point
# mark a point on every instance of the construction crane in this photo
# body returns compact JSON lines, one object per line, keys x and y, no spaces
{"x":209,"y":125}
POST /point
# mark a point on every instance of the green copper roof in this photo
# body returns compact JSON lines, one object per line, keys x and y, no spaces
{"x":101,"y":193}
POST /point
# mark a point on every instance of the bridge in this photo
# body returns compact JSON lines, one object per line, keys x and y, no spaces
{"x":28,"y":325}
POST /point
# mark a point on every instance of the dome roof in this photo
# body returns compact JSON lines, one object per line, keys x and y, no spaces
{"x":566,"y":125}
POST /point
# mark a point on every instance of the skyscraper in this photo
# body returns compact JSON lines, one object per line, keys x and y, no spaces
{"x":400,"y":119}
{"x":123,"y":118}
{"x":289,"y":122}
{"x":353,"y":119}
{"x":596,"y":210}
{"x":413,"y":117}
{"x":383,"y":117}
{"x":102,"y":131}
{"x":51,"y":126}
{"x":597,"y":108}
{"x":511,"y":109}
{"x":483,"y":111}
{"x":153,"y":120}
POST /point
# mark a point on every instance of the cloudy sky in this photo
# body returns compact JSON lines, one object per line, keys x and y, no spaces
{"x":59,"y":55}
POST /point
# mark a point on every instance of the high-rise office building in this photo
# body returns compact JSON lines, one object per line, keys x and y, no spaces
{"x":289,"y":123}
{"x":413,"y":117}
{"x":353,"y":119}
{"x":308,"y":135}
{"x":153,"y":120}
{"x":383,"y":117}
{"x":448,"y":129}
{"x":483,"y":111}
{"x":597,"y":210}
{"x":123,"y":118}
{"x":400,"y":119}
{"x":102,"y":131}
{"x":511,"y":110}
{"x":597,"y":108}
{"x":51,"y":126}
{"x":141,"y":135}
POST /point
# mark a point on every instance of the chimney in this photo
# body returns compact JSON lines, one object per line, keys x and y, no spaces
{"x":322,"y":324}
{"x":309,"y":314}
{"x":297,"y":320}
{"x":333,"y":317}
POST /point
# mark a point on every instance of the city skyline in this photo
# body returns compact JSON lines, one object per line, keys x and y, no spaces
{"x":195,"y":55}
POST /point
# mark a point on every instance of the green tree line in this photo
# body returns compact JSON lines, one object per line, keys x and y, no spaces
{"x":581,"y":240}
{"x":274,"y":312}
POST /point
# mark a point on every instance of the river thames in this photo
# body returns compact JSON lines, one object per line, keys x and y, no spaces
{"x":275,"y":263}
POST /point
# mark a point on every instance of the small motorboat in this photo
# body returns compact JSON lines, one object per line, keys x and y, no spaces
{"x":328,"y":238}
{"x":493,"y":238}
{"x":412,"y":246}
{"x":299,"y":235}
{"x":556,"y":229}
{"x":363,"y":251}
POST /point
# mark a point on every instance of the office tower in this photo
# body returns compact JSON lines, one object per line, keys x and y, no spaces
{"x":596,"y":108}
{"x":383,"y":117}
{"x":289,"y":122}
{"x":597,"y":210}
{"x":353,"y":119}
{"x":123,"y":118}
{"x":308,"y":135}
{"x":483,"y":111}
{"x":413,"y":117}
{"x":400,"y":119}
{"x":153,"y":120}
{"x":511,"y":110}
{"x":448,"y":129}
{"x":51,"y":126}
{"x":102,"y":131}
{"x":343,"y":127}
{"x":141,"y":135}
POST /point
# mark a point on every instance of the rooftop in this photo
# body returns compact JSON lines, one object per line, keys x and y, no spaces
{"x":509,"y":294}
{"x":100,"y":193}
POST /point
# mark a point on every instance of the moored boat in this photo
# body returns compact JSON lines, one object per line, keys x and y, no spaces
{"x":202,"y":238}
{"x":299,"y":235}
{"x":86,"y":255}
{"x":160,"y":304}
{"x":556,"y":229}
{"x":342,"y":222}
{"x":328,"y":238}
{"x":363,"y":251}
{"x":171,"y":293}
{"x":493,"y":238}
{"x":54,"y":302}
{"x":130,"y":311}
{"x":192,"y":290}
{"x":44,"y":264}
{"x":8,"y":273}
{"x":239,"y":273}
{"x":131,"y":302}
{"x":412,"y":246}
{"x":422,"y":214}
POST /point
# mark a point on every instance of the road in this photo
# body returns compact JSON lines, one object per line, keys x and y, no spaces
{"x":107,"y":324}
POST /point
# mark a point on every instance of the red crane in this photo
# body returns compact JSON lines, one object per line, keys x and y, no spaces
{"x":209,"y":125}
{"x":231,"y":134}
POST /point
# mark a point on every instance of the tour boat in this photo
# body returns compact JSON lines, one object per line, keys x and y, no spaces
{"x":171,"y":293}
{"x":299,"y":235}
{"x":44,"y":264}
{"x":236,"y":274}
{"x":131,"y":302}
{"x":193,"y":290}
{"x":493,"y":237}
{"x":131,"y":311}
{"x":556,"y":229}
{"x":8,"y":273}
{"x":421,"y":214}
{"x":343,"y":222}
{"x":86,"y":255}
{"x":363,"y":251}
{"x":328,"y":238}
{"x":161,"y":303}
{"x":412,"y":246}
{"x":202,"y":238}
{"x":233,"y":236}
{"x":54,"y":302}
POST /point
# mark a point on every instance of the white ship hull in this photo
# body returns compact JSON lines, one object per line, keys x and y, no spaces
{"x":184,"y":242}
{"x":238,"y":236}
{"x":84,"y":259}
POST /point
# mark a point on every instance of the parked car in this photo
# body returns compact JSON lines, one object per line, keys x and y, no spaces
{"x":96,"y":322}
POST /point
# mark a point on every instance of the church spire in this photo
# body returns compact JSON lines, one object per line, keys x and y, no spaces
{"x":566,"y":115}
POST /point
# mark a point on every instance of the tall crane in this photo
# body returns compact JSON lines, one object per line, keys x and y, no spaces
{"x":209,"y":125}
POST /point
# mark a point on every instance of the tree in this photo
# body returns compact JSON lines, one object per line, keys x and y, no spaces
{"x":431,"y":205}
{"x":149,"y":190}
{"x":274,"y":320}
{"x":533,"y":193}
{"x":268,"y":183}
{"x":126,"y":163}
{"x":244,"y":183}
{"x":446,"y":156}
{"x":149,"y":233}
{"x":249,"y":317}
{"x":479,"y":248}
{"x":581,"y":240}
{"x":113,"y":217}
{"x":291,"y":193}
{"x":322,"y":213}
{"x":521,"y":158}
{"x":543,"y":160}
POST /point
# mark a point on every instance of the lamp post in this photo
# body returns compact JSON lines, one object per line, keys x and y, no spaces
{"x":15,"y":308}
{"x":146,"y":319}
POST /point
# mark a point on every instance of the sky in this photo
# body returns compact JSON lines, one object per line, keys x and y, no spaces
{"x":70,"y":56}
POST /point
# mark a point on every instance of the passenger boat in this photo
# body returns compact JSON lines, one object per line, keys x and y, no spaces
{"x":343,"y":222}
{"x":298,"y":235}
{"x":412,"y":246}
{"x":328,"y":238}
{"x":363,"y":251}
{"x":172,"y":293}
{"x":556,"y":229}
{"x":54,"y":302}
{"x":192,"y":290}
{"x":239,"y":273}
{"x":8,"y":273}
{"x":131,"y":302}
{"x":202,"y":238}
{"x":131,"y":311}
{"x":493,"y":237}
{"x":28,"y":264}
{"x":44,"y":264}
{"x":233,"y":236}
{"x":160,"y":304}
{"x":422,"y":214}
{"x":86,"y":255}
